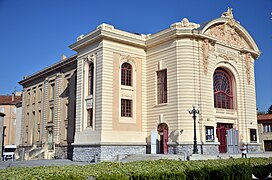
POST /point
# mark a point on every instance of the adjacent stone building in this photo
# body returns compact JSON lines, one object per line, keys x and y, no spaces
{"x":131,"y":93}
{"x":8,"y":107}
{"x":265,"y":131}
{"x":2,"y":115}
{"x":49,"y":111}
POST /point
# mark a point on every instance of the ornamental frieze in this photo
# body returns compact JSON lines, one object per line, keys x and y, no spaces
{"x":227,"y":34}
{"x":226,"y":54}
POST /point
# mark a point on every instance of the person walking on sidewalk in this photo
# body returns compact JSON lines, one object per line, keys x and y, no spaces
{"x":244,"y":150}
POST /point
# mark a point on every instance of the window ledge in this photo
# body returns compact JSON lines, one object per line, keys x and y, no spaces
{"x":128,"y":120}
{"x":208,"y":141}
{"x":123,"y":87}
{"x":161,"y":105}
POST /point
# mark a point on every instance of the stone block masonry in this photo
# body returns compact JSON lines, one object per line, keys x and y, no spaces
{"x":87,"y":153}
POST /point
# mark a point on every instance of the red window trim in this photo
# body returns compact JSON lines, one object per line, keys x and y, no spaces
{"x":222,"y":98}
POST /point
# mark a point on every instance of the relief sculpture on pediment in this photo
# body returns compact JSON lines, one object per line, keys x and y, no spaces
{"x":226,"y":33}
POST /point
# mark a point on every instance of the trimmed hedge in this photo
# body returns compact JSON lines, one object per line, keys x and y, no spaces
{"x":241,"y":169}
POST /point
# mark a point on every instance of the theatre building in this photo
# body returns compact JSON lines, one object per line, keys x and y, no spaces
{"x":132,"y":92}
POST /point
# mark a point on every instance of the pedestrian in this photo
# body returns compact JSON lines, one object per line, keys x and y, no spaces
{"x":244,"y":150}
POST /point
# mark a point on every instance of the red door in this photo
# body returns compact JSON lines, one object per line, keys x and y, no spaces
{"x":221,"y":132}
{"x":221,"y":135}
{"x":165,"y":141}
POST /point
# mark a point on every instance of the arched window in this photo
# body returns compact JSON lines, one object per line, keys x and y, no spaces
{"x":126,"y":74}
{"x":223,"y":92}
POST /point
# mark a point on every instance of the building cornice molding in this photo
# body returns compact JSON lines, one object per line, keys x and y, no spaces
{"x":49,"y":69}
{"x":107,"y":32}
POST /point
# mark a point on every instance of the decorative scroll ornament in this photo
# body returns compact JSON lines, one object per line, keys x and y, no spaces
{"x":206,"y":47}
{"x":127,"y":58}
{"x":247,"y":64}
{"x":90,"y":58}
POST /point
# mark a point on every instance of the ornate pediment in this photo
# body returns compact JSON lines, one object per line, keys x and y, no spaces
{"x":227,"y":34}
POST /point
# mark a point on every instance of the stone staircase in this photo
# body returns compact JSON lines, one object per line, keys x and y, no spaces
{"x":37,"y":155}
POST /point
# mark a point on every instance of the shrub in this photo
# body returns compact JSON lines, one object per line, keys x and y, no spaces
{"x":161,"y":169}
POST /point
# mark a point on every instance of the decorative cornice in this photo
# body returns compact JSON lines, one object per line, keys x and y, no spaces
{"x":49,"y":69}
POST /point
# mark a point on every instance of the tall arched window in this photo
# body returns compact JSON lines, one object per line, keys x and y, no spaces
{"x":223,"y":92}
{"x":126,"y":74}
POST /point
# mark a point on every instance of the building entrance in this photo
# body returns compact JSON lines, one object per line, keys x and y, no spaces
{"x":163,"y":134}
{"x":221,"y":132}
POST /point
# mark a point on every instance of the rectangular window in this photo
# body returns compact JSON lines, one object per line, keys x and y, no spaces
{"x":209,"y":133}
{"x":50,"y":140}
{"x":26,"y":136}
{"x":162,"y":86}
{"x":90,"y":79}
{"x":28,"y":98}
{"x":38,"y":136}
{"x":268,"y":145}
{"x":39,"y":117}
{"x":90,"y":117}
{"x":52,"y":91}
{"x":27,"y":119}
{"x":126,"y":108}
{"x":253,"y":135}
{"x":34,"y":96}
{"x":267,"y":128}
{"x":40,"y":94}
{"x":51,"y":115}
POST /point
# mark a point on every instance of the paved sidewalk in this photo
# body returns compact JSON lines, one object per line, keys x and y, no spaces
{"x":140,"y":157}
{"x":129,"y":158}
{"x":32,"y":163}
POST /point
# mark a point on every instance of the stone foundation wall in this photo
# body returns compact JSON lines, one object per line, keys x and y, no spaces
{"x":105,"y":153}
{"x":254,"y":148}
{"x":109,"y":153}
{"x":60,"y":152}
{"x":208,"y":148}
{"x":86,"y":153}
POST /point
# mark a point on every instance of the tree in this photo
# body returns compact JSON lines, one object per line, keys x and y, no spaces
{"x":270,"y":110}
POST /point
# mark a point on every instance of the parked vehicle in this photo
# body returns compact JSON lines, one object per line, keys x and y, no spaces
{"x":9,"y":152}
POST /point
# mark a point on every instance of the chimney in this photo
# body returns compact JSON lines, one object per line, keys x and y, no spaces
{"x":12,"y":96}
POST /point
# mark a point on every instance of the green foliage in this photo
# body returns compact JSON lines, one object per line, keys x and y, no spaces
{"x":241,"y":169}
{"x":269,"y":111}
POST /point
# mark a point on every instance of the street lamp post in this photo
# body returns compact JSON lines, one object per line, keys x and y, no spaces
{"x":194,"y":111}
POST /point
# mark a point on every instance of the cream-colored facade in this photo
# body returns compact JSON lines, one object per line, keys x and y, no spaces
{"x":143,"y":85}
{"x":191,"y":53}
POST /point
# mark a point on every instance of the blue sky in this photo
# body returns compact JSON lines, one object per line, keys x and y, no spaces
{"x":34,"y":34}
